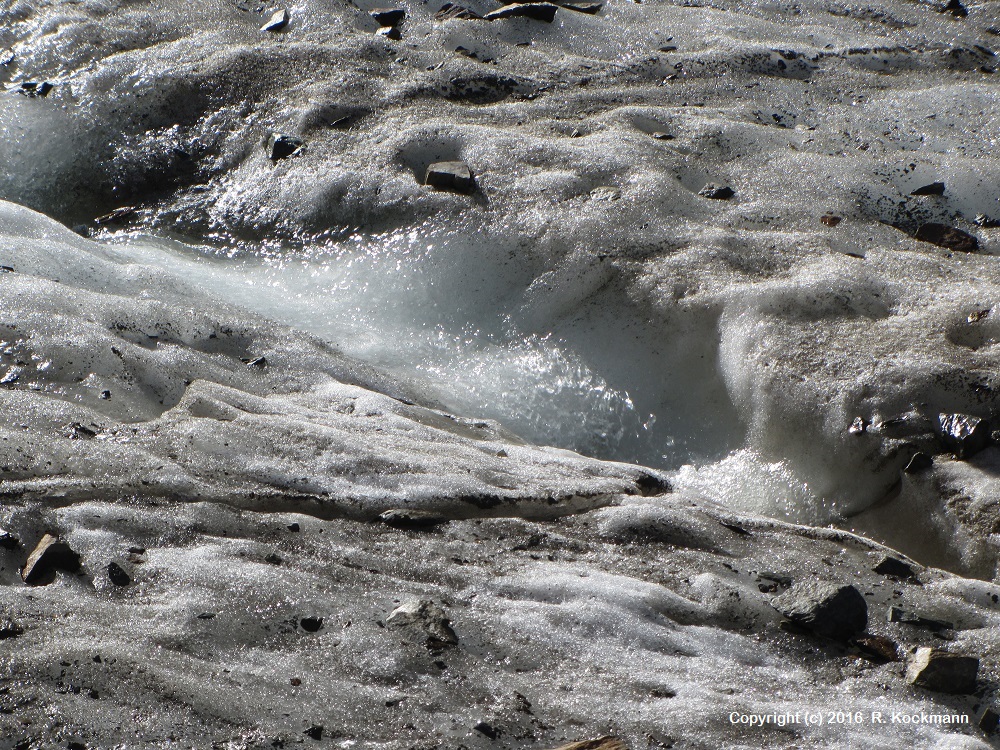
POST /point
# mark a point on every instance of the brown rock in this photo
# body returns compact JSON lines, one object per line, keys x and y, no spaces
{"x":449,"y":11}
{"x":536,"y":11}
{"x":877,"y":648}
{"x":830,"y":220}
{"x":947,"y":237}
{"x":49,"y":555}
{"x":942,"y":671}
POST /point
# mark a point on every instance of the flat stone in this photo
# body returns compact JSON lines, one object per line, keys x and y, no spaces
{"x":278,"y":20}
{"x":896,"y":614}
{"x":989,"y":721}
{"x":448,"y":11}
{"x":388,"y":16}
{"x":942,"y":672}
{"x":49,"y":555}
{"x":894,"y":567}
{"x":601,"y":743}
{"x":428,"y":618}
{"x":877,"y":648}
{"x":450,"y":175}
{"x":716,"y":192}
{"x":963,"y":434}
{"x":117,"y":216}
{"x":661,"y":136}
{"x":536,"y":11}
{"x":830,"y":220}
{"x":582,"y":7}
{"x":825,"y":609}
{"x":947,"y":237}
{"x":403,"y":518}
{"x":282,"y":146}
{"x":935,"y":188}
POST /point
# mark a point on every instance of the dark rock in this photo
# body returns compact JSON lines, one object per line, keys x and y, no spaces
{"x":8,"y":541}
{"x":963,"y":434}
{"x":918,"y":462}
{"x":894,"y":567}
{"x":947,"y":237}
{"x":989,"y":721}
{"x":311,"y":624}
{"x":390,"y":32}
{"x":830,"y":220}
{"x":314,"y":732}
{"x":7,"y":56}
{"x":877,"y":648}
{"x":935,"y":188}
{"x":282,"y":146}
{"x":485,"y":729}
{"x":35,"y":88}
{"x":258,"y":363}
{"x":273,"y":559}
{"x":402,"y":518}
{"x":427,"y":618}
{"x":117,"y":216}
{"x":278,"y":21}
{"x":294,"y":527}
{"x":8,"y":627}
{"x":581,"y":7}
{"x":118,"y":575}
{"x":828,"y":610}
{"x":716,"y":192}
{"x":449,"y":11}
{"x":105,"y":395}
{"x":650,"y":485}
{"x":943,"y":672}
{"x":49,"y":555}
{"x":909,"y":618}
{"x":388,"y":16}
{"x":987,"y":222}
{"x":207,"y":616}
{"x":956,"y":8}
{"x":450,"y":175}
{"x":661,"y":136}
{"x":536,"y":11}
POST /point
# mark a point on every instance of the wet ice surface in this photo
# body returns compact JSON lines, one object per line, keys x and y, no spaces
{"x":585,"y":296}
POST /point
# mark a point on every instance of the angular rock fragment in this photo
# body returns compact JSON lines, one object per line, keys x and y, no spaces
{"x":947,"y":237}
{"x":281,"y":146}
{"x":403,"y":518}
{"x":258,"y":363}
{"x":825,"y":609}
{"x":426,"y":617}
{"x":390,"y":32}
{"x":956,"y":9}
{"x":963,"y":434}
{"x":858,"y":427}
{"x":35,"y":88}
{"x":118,"y":575}
{"x":278,"y":20}
{"x":989,"y":721}
{"x":581,"y":7}
{"x":116,"y":216}
{"x":942,"y":671}
{"x":830,"y":220}
{"x":935,"y":188}
{"x":486,"y":729}
{"x":8,"y":541}
{"x":661,"y":136}
{"x":314,"y":732}
{"x":448,"y":11}
{"x":986,"y":222}
{"x":910,"y":618}
{"x":536,"y":11}
{"x":601,"y":743}
{"x":716,"y":192}
{"x":893,"y":567}
{"x":388,"y":16}
{"x":311,"y":624}
{"x":877,"y":648}
{"x":49,"y":555}
{"x":8,"y":627}
{"x":450,"y":175}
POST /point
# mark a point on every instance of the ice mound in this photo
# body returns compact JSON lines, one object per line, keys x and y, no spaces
{"x":119,"y":378}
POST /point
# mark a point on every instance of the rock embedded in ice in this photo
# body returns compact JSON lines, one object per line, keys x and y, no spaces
{"x":388,"y":16}
{"x":716,"y":192}
{"x":934,"y":188}
{"x":282,"y":146}
{"x":450,"y":11}
{"x":118,"y":575}
{"x":893,"y":567}
{"x":877,"y":648}
{"x":49,"y":555}
{"x":311,"y":624}
{"x":830,"y":220}
{"x":404,"y":518}
{"x":536,"y":11}
{"x":987,"y":222}
{"x":956,"y":9}
{"x":942,"y":671}
{"x":9,"y":628}
{"x":8,"y":541}
{"x":390,"y":32}
{"x":989,"y":721}
{"x":278,"y":21}
{"x":426,"y":617}
{"x":116,"y":216}
{"x":826,"y":609}
{"x":963,"y":434}
{"x":486,"y":729}
{"x":314,"y":732}
{"x":450,"y":175}
{"x":896,"y":614}
{"x":947,"y":237}
{"x":582,"y":7}
{"x":35,"y":88}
